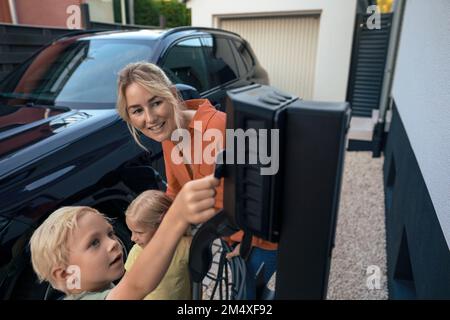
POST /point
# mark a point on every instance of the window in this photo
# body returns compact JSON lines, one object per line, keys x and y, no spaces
{"x":221,"y":63}
{"x":92,"y":72}
{"x":185,"y":64}
{"x":245,"y":54}
{"x":240,"y":63}
{"x":77,"y":73}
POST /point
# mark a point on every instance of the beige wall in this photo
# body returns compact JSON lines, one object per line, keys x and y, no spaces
{"x":101,"y":10}
{"x":334,"y":43}
{"x":294,"y":38}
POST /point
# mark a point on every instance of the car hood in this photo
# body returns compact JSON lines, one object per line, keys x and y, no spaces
{"x":27,"y":133}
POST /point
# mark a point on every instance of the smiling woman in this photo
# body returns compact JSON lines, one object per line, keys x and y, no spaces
{"x":149,"y":103}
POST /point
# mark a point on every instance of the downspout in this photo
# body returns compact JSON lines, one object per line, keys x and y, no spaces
{"x":12,"y":11}
{"x":378,"y":131}
{"x":123,"y":11}
{"x":131,"y":12}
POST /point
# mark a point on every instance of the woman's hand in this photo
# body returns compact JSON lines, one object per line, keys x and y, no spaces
{"x":194,"y":203}
{"x":234,"y":253}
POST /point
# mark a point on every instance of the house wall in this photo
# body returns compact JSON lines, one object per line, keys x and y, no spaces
{"x":49,"y":13}
{"x":417,"y":156}
{"x":418,"y":257}
{"x":52,"y":13}
{"x":5,"y":15}
{"x":421,"y":90}
{"x":101,"y":10}
{"x":334,"y":40}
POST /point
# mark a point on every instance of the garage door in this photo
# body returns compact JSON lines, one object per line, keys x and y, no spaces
{"x":285,"y":46}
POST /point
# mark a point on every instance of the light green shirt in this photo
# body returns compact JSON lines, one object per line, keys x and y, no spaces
{"x":176,"y":284}
{"x":88,"y":295}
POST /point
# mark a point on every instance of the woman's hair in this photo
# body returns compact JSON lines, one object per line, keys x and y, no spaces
{"x":150,"y":77}
{"x":48,"y":243}
{"x":149,"y":208}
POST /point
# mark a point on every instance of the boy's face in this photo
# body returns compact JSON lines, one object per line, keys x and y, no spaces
{"x":95,"y":250}
{"x":141,"y":234}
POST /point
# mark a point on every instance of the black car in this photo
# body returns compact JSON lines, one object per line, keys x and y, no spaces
{"x":62,"y":143}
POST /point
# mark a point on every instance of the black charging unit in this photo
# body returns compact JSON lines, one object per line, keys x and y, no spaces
{"x":297,"y":206}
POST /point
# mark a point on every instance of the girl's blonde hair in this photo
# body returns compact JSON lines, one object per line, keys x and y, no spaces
{"x":48,"y":244}
{"x":149,"y":208}
{"x":152,"y":78}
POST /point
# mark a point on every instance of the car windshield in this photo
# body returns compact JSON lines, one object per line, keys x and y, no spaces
{"x":76,"y":73}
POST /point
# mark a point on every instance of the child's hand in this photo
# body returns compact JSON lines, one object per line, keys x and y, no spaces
{"x":195,"y":201}
{"x":234,"y":253}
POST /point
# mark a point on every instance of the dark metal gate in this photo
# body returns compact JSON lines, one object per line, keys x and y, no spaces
{"x":367,"y":65}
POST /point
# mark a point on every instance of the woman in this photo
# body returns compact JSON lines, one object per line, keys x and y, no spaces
{"x":149,"y":103}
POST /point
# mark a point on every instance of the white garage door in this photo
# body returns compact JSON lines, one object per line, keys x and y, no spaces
{"x":286,"y":47}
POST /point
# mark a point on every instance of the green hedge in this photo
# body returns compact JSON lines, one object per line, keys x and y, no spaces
{"x":147,"y":12}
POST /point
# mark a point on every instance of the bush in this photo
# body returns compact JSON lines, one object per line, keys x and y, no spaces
{"x":176,"y":13}
{"x":147,"y":12}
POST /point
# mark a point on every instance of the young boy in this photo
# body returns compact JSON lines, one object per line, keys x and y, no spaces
{"x":75,"y":249}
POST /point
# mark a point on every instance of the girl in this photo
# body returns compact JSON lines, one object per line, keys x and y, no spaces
{"x":143,"y":217}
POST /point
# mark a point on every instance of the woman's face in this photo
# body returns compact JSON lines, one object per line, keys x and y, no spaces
{"x":150,"y":114}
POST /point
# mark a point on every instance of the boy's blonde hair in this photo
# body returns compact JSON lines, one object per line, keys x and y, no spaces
{"x":152,"y":78}
{"x":48,"y":243}
{"x":149,"y":208}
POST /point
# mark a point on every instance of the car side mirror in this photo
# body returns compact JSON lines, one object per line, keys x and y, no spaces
{"x":187,"y":92}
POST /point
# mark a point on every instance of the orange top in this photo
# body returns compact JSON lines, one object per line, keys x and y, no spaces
{"x":178,"y":174}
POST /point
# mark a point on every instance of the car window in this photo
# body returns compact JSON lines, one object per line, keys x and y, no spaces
{"x":95,"y":78}
{"x":239,"y":59}
{"x":222,"y":66}
{"x":82,"y":73}
{"x":185,"y":63}
{"x":245,"y":54}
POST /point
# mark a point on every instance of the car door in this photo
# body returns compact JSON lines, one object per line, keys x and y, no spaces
{"x":184,"y":62}
{"x":223,"y":69}
{"x":207,"y":63}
